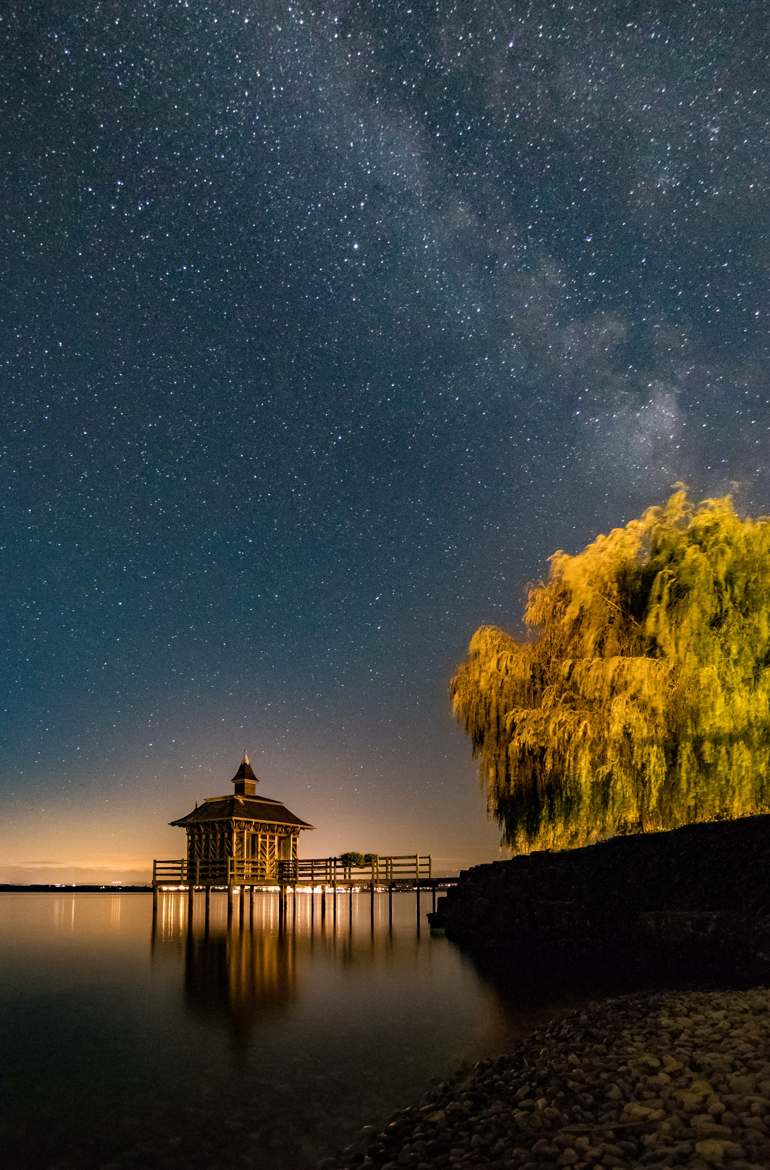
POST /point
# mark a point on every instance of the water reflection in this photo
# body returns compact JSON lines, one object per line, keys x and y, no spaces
{"x":134,"y":1028}
{"x":68,"y":910}
{"x":241,"y":969}
{"x":64,"y":914}
{"x":240,"y":977}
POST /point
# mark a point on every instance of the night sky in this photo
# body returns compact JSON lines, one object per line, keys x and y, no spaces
{"x":322,"y":326}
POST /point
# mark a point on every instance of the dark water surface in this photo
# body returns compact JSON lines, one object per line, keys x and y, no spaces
{"x":267,"y":1045}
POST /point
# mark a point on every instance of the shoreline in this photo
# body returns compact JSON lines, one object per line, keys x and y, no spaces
{"x":658,"y":1079}
{"x":8,"y":888}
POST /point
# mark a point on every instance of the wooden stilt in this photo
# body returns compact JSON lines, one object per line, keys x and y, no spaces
{"x":190,"y":903}
{"x":417,"y":891}
{"x":323,"y":905}
{"x":390,"y":905}
{"x":230,"y":899}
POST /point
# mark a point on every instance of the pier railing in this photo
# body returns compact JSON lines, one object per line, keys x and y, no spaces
{"x":409,"y":868}
{"x":180,"y":871}
{"x":225,"y":872}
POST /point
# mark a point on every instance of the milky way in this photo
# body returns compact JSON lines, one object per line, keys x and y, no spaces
{"x":321,"y":328}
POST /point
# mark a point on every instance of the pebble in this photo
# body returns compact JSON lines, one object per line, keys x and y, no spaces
{"x":664,"y":1080}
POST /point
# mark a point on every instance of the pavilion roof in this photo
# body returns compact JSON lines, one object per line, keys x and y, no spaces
{"x":242,"y":808}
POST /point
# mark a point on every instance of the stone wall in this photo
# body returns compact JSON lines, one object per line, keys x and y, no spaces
{"x":692,"y":901}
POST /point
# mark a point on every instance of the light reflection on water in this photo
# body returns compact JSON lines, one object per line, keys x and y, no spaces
{"x":266,"y":1042}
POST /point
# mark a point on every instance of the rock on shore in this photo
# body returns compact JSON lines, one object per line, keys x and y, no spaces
{"x":658,"y":906}
{"x":670,"y":1079}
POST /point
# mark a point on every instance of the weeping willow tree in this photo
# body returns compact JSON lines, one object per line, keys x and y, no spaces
{"x":640,"y":701}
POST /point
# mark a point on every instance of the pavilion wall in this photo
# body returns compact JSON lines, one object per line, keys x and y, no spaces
{"x":242,"y":840}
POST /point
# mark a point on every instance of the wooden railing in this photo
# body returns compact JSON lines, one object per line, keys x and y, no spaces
{"x":408,"y":867}
{"x":330,"y":870}
{"x":179,"y":870}
{"x":226,"y":872}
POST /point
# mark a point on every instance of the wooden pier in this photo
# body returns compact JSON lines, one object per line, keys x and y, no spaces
{"x":319,"y":875}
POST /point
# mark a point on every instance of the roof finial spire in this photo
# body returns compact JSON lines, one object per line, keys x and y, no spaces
{"x":244,"y":779}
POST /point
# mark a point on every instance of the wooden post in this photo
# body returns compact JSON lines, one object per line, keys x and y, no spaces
{"x":371,"y":904}
{"x":323,"y":905}
{"x":433,"y":907}
{"x":230,"y":899}
{"x":390,"y":905}
{"x":207,"y":909}
{"x":417,"y":890}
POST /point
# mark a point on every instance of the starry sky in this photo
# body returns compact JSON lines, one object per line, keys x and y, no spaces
{"x":322,"y":326}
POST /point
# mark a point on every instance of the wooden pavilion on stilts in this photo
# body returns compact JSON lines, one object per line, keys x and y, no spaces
{"x":243,"y":842}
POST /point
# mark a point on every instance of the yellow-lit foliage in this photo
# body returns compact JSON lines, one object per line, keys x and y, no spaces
{"x":641,"y":701}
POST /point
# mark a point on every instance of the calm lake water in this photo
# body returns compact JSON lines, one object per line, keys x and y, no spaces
{"x":267,"y":1045}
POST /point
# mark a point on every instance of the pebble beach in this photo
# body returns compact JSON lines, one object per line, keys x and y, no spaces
{"x":667,"y":1079}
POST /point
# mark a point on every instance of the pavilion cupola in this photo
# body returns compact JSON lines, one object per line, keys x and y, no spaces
{"x":244,"y":779}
